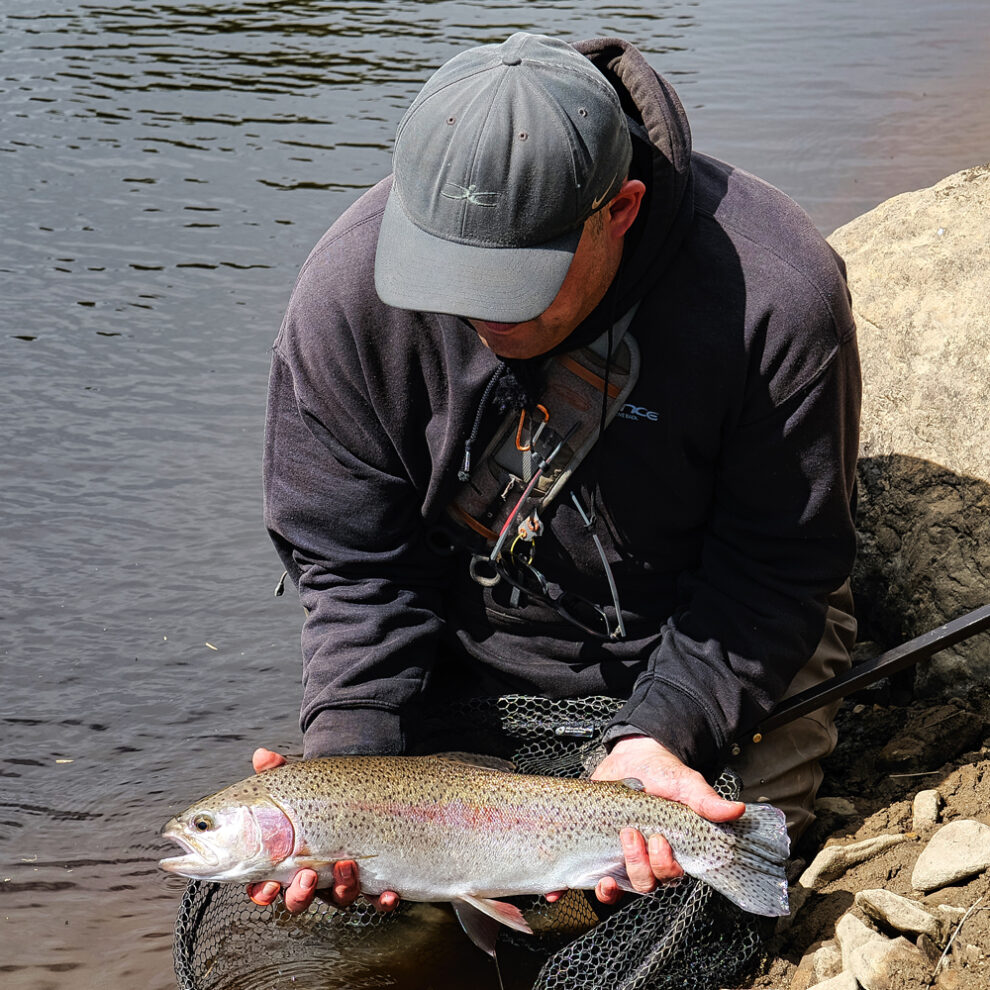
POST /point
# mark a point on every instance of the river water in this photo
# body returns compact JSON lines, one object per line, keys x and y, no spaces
{"x":165,"y":169}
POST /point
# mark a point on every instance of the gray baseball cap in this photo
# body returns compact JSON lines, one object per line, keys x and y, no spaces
{"x":502,"y":156}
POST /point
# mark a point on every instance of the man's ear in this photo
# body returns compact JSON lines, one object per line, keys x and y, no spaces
{"x":623,"y":208}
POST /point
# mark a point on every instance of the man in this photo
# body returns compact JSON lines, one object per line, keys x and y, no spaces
{"x":544,"y":198}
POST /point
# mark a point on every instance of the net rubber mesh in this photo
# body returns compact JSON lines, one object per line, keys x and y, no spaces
{"x":683,"y":936}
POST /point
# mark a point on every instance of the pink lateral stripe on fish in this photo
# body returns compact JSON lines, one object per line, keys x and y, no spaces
{"x":455,"y":814}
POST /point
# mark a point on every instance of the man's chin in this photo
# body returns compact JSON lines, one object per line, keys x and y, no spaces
{"x":516,"y":341}
{"x":497,"y":329}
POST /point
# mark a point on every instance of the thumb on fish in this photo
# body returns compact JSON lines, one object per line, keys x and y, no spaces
{"x":717,"y":809}
{"x":266,"y":759}
{"x":691,"y":789}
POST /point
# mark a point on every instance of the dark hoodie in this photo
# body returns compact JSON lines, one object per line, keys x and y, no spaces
{"x":724,"y":488}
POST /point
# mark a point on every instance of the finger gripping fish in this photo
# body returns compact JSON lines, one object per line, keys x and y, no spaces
{"x":435,"y":829}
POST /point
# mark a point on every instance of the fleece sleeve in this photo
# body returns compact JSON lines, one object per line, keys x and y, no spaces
{"x":344,"y":517}
{"x":781,"y":537}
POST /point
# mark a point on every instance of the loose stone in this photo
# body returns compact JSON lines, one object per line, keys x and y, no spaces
{"x":833,"y":861}
{"x":898,"y":912}
{"x":926,"y":809}
{"x":929,"y":949}
{"x":852,"y":935}
{"x":889,"y":964}
{"x":844,"y":981}
{"x":955,"y":852}
{"x":827,"y":961}
{"x":950,"y":916}
{"x":821,"y":964}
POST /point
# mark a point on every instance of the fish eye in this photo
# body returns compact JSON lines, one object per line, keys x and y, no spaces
{"x":203,"y":823}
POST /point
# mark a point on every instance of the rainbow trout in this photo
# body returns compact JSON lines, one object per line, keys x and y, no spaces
{"x":436,"y":829}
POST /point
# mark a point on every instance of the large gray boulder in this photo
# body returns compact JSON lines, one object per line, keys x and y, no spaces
{"x":919,"y":272}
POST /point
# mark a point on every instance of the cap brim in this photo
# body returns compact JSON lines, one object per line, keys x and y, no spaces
{"x":415,"y":270}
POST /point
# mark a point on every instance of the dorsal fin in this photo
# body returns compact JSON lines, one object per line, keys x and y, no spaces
{"x":483,"y":760}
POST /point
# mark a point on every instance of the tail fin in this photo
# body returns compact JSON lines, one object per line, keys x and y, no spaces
{"x":753,"y":875}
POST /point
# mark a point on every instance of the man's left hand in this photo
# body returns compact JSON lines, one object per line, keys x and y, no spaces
{"x":663,"y":774}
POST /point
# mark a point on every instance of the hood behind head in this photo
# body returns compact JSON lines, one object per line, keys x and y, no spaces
{"x":661,"y":158}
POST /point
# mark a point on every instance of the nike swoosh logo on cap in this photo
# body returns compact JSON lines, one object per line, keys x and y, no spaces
{"x":595,"y":203}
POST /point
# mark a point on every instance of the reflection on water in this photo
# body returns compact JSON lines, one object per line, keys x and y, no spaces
{"x":165,"y":170}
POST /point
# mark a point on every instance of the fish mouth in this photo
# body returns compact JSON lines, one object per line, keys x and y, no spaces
{"x":197,"y":860}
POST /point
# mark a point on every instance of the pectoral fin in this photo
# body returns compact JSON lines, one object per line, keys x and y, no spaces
{"x":480,"y":919}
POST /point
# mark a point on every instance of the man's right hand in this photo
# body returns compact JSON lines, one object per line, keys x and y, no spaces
{"x":300,"y":892}
{"x":664,"y":774}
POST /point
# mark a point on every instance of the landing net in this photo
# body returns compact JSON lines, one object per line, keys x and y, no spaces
{"x":681,"y":937}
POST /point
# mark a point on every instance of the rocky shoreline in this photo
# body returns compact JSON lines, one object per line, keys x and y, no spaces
{"x":897,"y":896}
{"x":891,"y":889}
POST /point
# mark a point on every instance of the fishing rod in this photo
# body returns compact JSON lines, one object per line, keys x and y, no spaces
{"x":870,"y":671}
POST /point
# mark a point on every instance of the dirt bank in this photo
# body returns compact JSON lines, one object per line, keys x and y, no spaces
{"x":887,"y":754}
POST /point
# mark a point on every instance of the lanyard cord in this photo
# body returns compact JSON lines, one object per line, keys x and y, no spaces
{"x":465,"y":472}
{"x":589,"y":522}
{"x":601,"y":430}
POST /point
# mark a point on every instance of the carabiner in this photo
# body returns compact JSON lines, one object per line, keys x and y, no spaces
{"x":536,"y":435}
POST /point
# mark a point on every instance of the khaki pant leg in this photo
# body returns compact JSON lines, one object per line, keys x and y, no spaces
{"x":782,"y":769}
